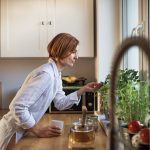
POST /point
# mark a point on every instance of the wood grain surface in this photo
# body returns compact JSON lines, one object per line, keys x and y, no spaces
{"x":30,"y":142}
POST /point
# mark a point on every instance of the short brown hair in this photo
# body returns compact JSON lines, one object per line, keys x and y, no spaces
{"x":61,"y":45}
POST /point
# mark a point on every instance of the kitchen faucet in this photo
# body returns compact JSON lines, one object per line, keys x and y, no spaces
{"x":143,"y":44}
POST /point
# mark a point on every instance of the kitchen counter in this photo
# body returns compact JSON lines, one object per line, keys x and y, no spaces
{"x":30,"y":142}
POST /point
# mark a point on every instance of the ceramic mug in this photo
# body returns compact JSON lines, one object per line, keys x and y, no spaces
{"x":57,"y":123}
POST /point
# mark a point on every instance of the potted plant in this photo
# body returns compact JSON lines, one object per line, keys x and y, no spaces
{"x":133,"y":102}
{"x":132,"y":96}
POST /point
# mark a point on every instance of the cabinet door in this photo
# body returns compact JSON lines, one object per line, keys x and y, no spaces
{"x":76,"y":17}
{"x":27,"y":26}
{"x":23,"y":28}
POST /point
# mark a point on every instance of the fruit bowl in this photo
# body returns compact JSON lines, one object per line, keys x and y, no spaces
{"x":145,"y":136}
{"x":137,"y":144}
{"x":136,"y":135}
{"x":73,"y":80}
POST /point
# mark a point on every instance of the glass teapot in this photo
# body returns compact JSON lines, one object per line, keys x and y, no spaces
{"x":82,"y":133}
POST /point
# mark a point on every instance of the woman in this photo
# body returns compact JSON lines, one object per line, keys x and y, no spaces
{"x":42,"y":86}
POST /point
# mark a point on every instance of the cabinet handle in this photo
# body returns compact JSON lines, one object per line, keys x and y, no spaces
{"x":42,"y":23}
{"x":50,"y":23}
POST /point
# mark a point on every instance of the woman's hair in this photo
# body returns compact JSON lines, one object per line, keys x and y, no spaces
{"x":61,"y":46}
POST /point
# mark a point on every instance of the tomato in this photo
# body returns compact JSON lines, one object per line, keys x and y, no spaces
{"x":145,"y":135}
{"x":134,"y":126}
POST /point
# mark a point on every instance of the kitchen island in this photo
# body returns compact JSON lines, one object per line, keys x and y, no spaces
{"x":30,"y":142}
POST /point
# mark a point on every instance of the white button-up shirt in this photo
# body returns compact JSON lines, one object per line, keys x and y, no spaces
{"x":42,"y":86}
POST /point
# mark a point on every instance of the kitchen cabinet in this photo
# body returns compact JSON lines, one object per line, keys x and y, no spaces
{"x":27,"y":26}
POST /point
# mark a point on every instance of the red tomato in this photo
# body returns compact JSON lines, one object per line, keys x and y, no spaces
{"x":145,"y":135}
{"x":134,"y":126}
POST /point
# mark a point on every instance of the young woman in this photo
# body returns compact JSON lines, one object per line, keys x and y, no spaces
{"x":42,"y":86}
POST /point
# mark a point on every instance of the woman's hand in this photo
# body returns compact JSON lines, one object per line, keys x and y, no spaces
{"x":90,"y":87}
{"x":46,"y":131}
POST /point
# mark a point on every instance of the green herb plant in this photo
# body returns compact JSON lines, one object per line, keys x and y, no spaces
{"x":132,"y":96}
{"x":133,"y":102}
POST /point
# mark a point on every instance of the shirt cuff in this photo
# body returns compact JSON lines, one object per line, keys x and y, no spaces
{"x":75,"y":97}
{"x":29,"y":123}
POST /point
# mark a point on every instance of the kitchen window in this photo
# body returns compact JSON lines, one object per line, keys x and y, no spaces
{"x":135,"y":23}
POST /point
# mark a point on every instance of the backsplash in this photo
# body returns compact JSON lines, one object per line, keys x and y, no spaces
{"x":14,"y":71}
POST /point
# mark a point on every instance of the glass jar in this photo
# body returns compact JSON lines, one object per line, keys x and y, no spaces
{"x":94,"y":118}
{"x":82,"y":136}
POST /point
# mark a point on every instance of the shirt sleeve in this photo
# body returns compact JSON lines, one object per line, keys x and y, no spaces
{"x":61,"y":101}
{"x":29,"y":93}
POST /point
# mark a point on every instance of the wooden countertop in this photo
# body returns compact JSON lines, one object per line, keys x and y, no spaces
{"x":30,"y":142}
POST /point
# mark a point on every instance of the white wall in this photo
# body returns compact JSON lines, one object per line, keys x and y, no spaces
{"x":108,"y":31}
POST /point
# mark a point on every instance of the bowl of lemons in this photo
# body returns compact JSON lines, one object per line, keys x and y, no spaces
{"x":73,"y":80}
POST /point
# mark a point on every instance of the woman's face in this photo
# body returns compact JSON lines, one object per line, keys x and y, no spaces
{"x":69,"y":60}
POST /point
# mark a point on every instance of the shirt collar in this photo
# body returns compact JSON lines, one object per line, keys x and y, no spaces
{"x":56,"y":71}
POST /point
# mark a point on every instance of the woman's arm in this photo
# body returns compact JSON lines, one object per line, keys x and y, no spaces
{"x":28,"y":95}
{"x":90,"y":87}
{"x":62,"y":101}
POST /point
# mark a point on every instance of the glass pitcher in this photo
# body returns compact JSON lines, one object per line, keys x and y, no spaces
{"x":82,"y":136}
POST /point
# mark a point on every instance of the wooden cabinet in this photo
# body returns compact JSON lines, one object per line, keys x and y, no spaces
{"x":27,"y":26}
{"x":76,"y":17}
{"x":24,"y":28}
